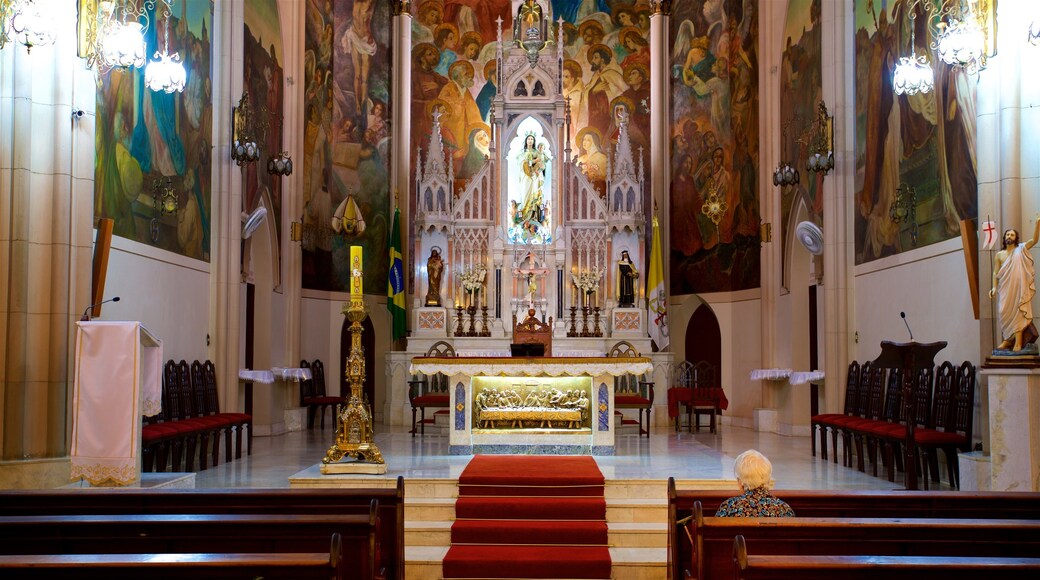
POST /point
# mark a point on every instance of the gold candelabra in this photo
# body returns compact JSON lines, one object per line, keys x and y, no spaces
{"x":354,"y":421}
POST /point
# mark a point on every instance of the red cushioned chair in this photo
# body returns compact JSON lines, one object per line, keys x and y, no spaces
{"x":313,"y":396}
{"x":632,"y":392}
{"x":951,"y":432}
{"x":824,"y":421}
{"x":429,"y":392}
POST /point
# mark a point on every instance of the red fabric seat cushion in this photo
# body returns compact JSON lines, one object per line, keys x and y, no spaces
{"x":631,"y":400}
{"x":938,"y":438}
{"x":326,"y":400}
{"x":431,"y":400}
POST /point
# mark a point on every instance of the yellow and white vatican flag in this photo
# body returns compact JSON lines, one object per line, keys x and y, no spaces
{"x":656,"y":295}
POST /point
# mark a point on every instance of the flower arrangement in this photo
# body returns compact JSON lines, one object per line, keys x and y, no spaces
{"x":473,"y":279}
{"x":588,"y":280}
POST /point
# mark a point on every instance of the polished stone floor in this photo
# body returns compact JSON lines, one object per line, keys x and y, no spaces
{"x":665,"y":454}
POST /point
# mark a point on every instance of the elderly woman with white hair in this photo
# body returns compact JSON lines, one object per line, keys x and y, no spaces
{"x":754,"y":473}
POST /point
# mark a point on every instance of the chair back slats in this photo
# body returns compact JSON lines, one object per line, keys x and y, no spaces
{"x":964,"y":400}
{"x":438,"y":383}
{"x":867,"y":374}
{"x":923,"y":397}
{"x":876,"y":404}
{"x":945,"y":380}
{"x":684,"y":374}
{"x":306,"y":386}
{"x":893,"y":405}
{"x":184,"y":377}
{"x":209,"y":377}
{"x":198,"y":389}
{"x":626,"y":384}
{"x":851,"y":388}
{"x":318,"y":372}
{"x":170,"y":392}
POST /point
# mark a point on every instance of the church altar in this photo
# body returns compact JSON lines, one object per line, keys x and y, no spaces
{"x":551,"y":405}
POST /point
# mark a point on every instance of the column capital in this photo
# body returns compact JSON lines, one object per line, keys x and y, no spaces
{"x":661,"y":7}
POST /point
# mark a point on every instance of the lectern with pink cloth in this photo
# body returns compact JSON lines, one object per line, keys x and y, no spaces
{"x":118,"y":378}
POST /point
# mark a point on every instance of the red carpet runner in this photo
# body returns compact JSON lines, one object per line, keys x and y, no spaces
{"x":522,"y":516}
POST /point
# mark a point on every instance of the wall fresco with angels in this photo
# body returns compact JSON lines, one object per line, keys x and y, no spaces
{"x":926,"y":140}
{"x":147,"y":141}
{"x":714,"y":118}
{"x":346,"y":160}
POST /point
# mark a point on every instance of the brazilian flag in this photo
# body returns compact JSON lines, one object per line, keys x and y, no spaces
{"x":395,"y":280}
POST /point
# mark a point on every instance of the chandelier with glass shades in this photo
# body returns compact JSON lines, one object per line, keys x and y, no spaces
{"x":1034,"y":33}
{"x":166,"y":73}
{"x":960,"y":33}
{"x":24,"y":22}
{"x":913,"y":74}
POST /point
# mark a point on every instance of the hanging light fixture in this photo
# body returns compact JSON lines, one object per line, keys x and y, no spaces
{"x":1034,"y":33}
{"x":280,"y":164}
{"x":23,"y":21}
{"x":913,"y":74}
{"x":166,"y":73}
{"x":244,"y":148}
{"x":904,"y":209}
{"x":961,"y":42}
{"x":785,"y":175}
{"x":122,"y":37}
{"x":821,"y":148}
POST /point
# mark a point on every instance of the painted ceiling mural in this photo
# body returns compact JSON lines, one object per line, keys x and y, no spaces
{"x":714,"y":218}
{"x":801,"y":91}
{"x":926,"y":141}
{"x":346,"y":140}
{"x":147,"y":140}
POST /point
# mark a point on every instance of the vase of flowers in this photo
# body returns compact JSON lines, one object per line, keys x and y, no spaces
{"x":473,"y":281}
{"x":587,"y":281}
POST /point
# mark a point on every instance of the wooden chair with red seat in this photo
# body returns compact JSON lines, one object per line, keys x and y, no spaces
{"x":951,"y":429}
{"x":429,"y":392}
{"x":824,"y":421}
{"x":680,"y":394}
{"x":707,"y":395}
{"x":239,"y":421}
{"x":313,"y":394}
{"x":630,"y":391}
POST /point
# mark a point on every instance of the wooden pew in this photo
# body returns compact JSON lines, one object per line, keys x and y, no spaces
{"x":195,"y":533}
{"x":850,"y":503}
{"x":227,"y":501}
{"x":713,"y":538}
{"x":284,"y":566}
{"x":851,"y":567}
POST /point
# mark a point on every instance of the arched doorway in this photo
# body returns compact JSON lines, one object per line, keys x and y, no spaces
{"x":704,"y":338}
{"x":368,"y":344}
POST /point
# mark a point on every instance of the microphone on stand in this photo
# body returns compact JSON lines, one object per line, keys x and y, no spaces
{"x":86,"y":315}
{"x":903,"y":316}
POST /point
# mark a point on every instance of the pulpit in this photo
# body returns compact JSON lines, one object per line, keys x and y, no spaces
{"x":118,"y":378}
{"x":911,"y":357}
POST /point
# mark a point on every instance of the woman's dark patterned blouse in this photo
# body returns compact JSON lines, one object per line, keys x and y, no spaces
{"x":755,"y":503}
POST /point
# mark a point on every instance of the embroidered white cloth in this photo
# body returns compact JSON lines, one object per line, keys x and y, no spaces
{"x":260,"y":376}
{"x":118,"y":378}
{"x":803,"y":377}
{"x":296,"y":374}
{"x":579,"y":353}
{"x":548,"y":366}
{"x":770,"y":374}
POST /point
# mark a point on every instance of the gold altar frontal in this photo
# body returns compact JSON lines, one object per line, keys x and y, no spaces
{"x":537,"y":405}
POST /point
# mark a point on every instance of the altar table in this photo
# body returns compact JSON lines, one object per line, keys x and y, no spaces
{"x":592,"y":376}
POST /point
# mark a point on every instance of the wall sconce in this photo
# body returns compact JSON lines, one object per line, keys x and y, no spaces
{"x":280,"y":164}
{"x":295,"y":232}
{"x":904,"y":209}
{"x":24,"y":21}
{"x":348,"y":219}
{"x":244,"y":148}
{"x":1034,"y":33}
{"x":164,"y":197}
{"x":785,"y":174}
{"x":821,"y":150}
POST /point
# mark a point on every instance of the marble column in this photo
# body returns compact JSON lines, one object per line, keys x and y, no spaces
{"x":838,"y":187}
{"x":46,"y":211}
{"x":401,"y":128}
{"x":226,"y":224}
{"x":660,"y":135}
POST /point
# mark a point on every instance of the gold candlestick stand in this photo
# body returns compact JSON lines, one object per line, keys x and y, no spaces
{"x":354,"y":421}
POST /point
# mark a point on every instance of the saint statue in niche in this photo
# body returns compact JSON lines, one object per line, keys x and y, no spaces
{"x":434,"y":271}
{"x":530,"y":193}
{"x":626,"y":281}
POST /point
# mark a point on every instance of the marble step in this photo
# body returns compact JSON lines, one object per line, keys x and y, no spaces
{"x":620,"y":535}
{"x":425,"y":488}
{"x":424,"y":563}
{"x":627,"y":510}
